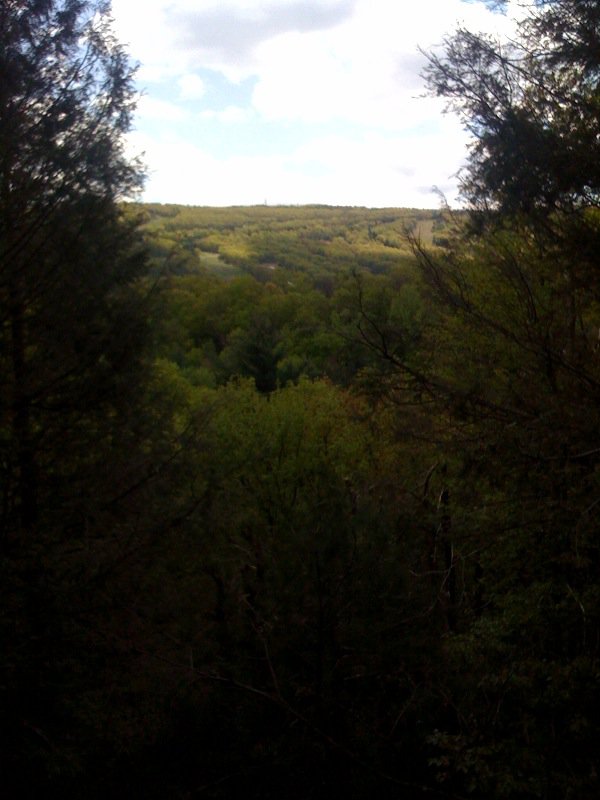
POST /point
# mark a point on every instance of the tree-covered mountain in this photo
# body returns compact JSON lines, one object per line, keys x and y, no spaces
{"x":299,"y":501}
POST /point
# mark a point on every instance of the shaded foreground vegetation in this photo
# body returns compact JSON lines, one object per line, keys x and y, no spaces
{"x":298,"y":502}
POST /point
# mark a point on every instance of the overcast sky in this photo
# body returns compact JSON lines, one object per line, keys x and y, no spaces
{"x":294,"y":101}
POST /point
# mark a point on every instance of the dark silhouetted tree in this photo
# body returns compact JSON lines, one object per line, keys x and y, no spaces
{"x":72,"y":328}
{"x":510,"y":358}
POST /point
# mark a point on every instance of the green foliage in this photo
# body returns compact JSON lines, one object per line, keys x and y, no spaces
{"x":215,"y":329}
{"x":512,"y":374}
{"x":331,"y":528}
{"x":281,"y":244}
{"x":296,"y":567}
{"x":532,"y":106}
{"x":73,"y":443}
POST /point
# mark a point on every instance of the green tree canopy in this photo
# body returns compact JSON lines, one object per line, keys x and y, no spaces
{"x":71,"y":351}
{"x":532,"y":107}
{"x":66,"y":256}
{"x":510,"y":361}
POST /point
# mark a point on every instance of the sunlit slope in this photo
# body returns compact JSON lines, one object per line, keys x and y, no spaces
{"x":264,"y":239}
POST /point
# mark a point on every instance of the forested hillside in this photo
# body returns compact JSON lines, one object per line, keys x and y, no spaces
{"x":276,"y":294}
{"x":300,"y":502}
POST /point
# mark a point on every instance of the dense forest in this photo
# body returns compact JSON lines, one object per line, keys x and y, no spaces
{"x":300,"y":502}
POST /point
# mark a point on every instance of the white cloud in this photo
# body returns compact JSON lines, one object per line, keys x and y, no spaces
{"x":231,"y":30}
{"x":150,"y":108}
{"x":231,"y":114}
{"x":182,"y":172}
{"x":170,"y":38}
{"x":315,"y":64}
{"x":191,"y":87}
{"x":366,"y":71}
{"x":373,"y":170}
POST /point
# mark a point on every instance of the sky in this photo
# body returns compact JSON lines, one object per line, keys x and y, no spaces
{"x":246,"y":102}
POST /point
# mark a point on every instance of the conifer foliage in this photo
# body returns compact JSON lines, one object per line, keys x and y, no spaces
{"x":514,"y":365}
{"x":532,"y":107}
{"x":71,"y":345}
{"x":66,"y":98}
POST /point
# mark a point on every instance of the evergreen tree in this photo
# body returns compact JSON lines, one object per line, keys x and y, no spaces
{"x":71,"y":352}
{"x":531,"y":105}
{"x":510,"y":359}
{"x":66,"y":99}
